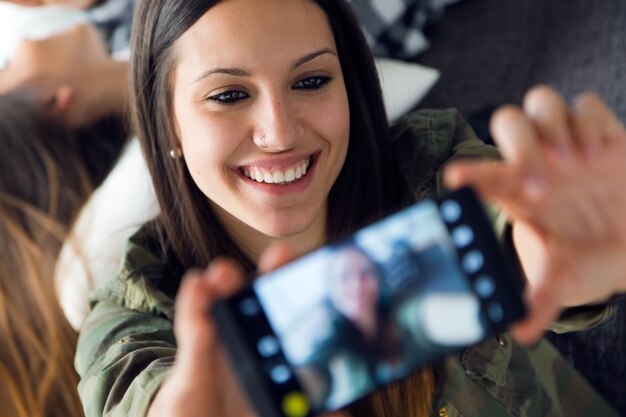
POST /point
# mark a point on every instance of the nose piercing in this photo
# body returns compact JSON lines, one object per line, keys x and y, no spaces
{"x":262,"y":143}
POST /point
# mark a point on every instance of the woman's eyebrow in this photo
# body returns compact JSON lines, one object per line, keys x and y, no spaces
{"x":238,"y":72}
{"x":309,"y":57}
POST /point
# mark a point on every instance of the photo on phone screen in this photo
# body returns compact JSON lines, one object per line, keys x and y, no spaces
{"x":337,"y":324}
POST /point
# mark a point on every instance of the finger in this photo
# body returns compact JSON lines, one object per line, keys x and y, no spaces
{"x":225,"y":277}
{"x":276,"y":255}
{"x":594,"y":123}
{"x":491,"y":179}
{"x":543,"y":309}
{"x":495,"y":182}
{"x":520,"y":145}
{"x":193,"y":329}
{"x":589,"y":117}
{"x":550,"y":113}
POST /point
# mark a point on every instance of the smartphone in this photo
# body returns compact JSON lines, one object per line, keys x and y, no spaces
{"x":331,"y":327}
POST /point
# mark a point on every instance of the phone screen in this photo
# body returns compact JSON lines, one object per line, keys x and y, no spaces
{"x":366,"y":311}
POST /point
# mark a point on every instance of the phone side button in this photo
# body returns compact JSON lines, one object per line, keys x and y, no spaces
{"x":450,"y":211}
{"x":295,"y":404}
{"x":268,"y":346}
{"x":484,"y":286}
{"x":495,"y":312}
{"x":462,"y":236}
{"x":473,"y":261}
{"x":280,"y":374}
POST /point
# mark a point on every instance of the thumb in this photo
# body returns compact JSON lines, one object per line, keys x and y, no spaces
{"x":277,"y":254}
{"x":193,"y":325}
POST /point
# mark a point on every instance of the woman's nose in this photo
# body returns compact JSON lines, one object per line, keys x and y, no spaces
{"x":278,"y":125}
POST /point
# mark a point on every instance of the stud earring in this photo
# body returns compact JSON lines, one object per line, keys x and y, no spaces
{"x":176,"y":153}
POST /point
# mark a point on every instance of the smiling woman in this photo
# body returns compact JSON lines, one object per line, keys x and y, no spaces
{"x":262,"y":120}
{"x":291,"y":100}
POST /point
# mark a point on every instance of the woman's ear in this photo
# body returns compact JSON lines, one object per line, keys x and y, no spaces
{"x":61,"y":99}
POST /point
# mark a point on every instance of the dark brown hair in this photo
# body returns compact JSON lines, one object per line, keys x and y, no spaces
{"x":187,"y":225}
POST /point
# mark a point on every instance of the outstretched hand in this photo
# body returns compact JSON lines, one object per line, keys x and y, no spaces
{"x":562,"y":185}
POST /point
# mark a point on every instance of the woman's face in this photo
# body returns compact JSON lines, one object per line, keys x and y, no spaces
{"x":262,"y":114}
{"x":73,"y":72}
{"x":353,"y":284}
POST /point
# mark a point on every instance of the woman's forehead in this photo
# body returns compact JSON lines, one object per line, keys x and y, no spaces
{"x":256,"y":29}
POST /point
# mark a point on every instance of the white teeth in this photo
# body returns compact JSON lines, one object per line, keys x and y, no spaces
{"x":277,"y":176}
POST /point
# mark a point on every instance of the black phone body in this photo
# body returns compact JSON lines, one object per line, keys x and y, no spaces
{"x":333,"y":326}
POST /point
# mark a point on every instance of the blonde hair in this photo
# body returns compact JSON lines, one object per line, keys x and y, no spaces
{"x":43,"y":182}
{"x":410,"y":397}
{"x":37,"y":377}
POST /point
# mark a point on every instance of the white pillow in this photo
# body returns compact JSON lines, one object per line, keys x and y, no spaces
{"x":34,"y":23}
{"x":404,"y":84}
{"x":93,"y":252}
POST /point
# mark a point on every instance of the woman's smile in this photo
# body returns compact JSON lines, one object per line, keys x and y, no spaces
{"x":277,"y":175}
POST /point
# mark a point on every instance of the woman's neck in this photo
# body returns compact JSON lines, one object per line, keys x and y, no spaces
{"x":253,"y":242}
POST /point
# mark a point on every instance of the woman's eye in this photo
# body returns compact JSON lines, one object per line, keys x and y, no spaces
{"x":228,"y":97}
{"x":311,"y":83}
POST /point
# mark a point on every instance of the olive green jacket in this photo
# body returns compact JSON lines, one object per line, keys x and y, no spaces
{"x":127,"y":344}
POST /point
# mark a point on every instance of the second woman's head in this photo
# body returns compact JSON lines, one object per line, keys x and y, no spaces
{"x":271,"y":112}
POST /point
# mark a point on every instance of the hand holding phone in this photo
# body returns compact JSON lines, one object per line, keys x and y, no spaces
{"x":331,"y":327}
{"x":201,"y":381}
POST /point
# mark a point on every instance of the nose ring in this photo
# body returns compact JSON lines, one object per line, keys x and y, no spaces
{"x":262,"y":143}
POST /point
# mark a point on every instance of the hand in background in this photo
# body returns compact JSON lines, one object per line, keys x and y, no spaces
{"x":562,"y":186}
